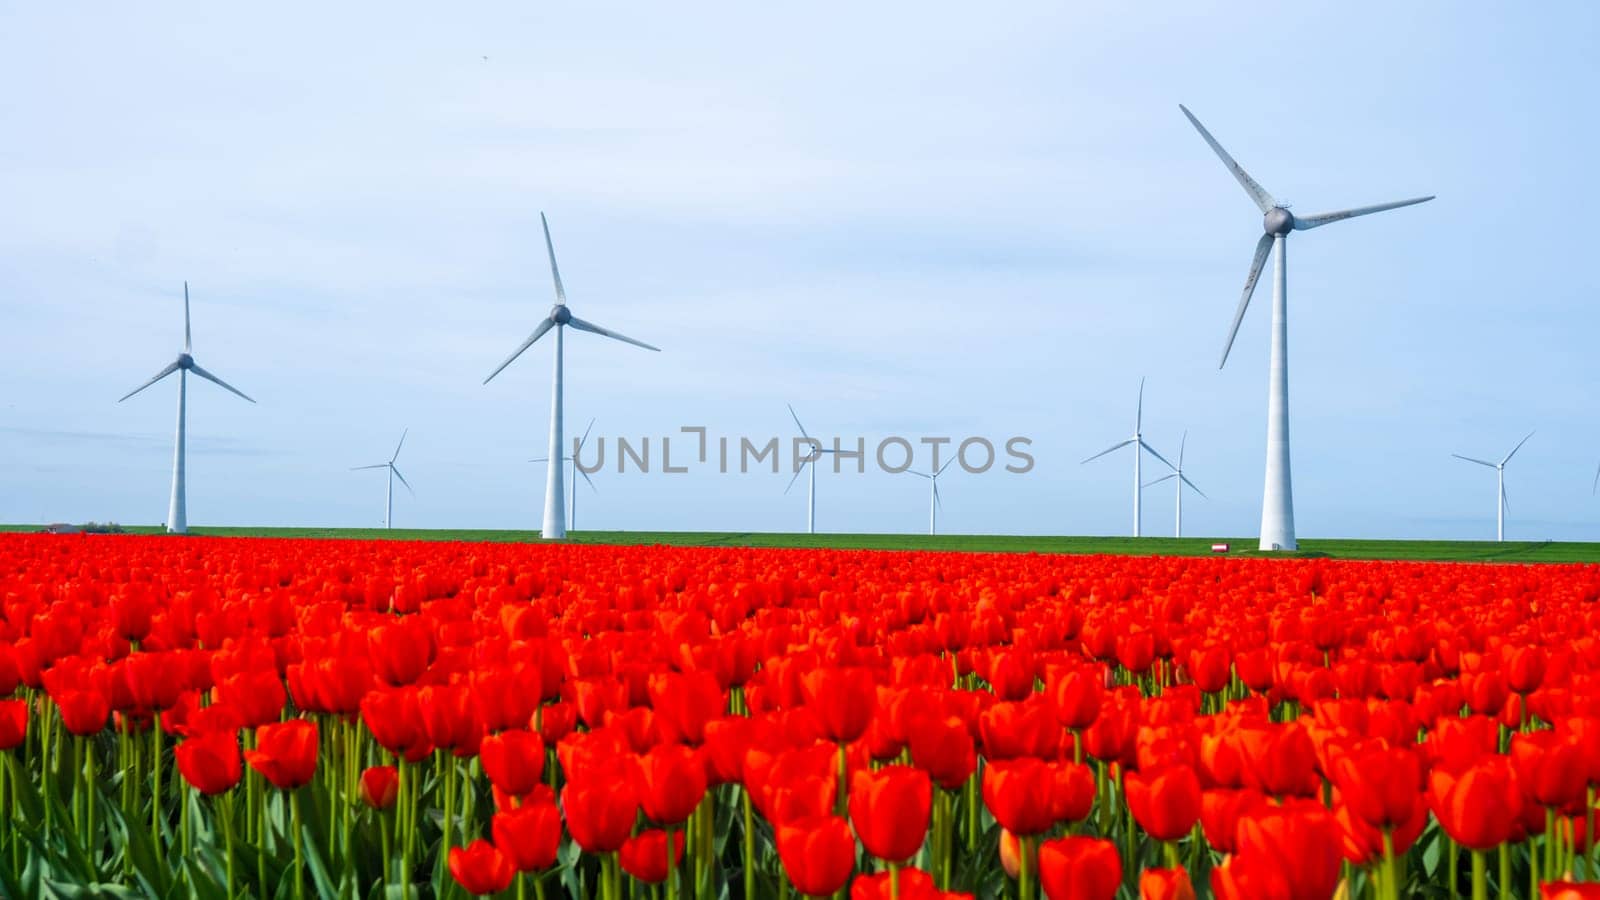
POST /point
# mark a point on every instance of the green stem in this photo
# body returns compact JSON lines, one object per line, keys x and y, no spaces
{"x":749,"y":844}
{"x":225,"y":813}
{"x":90,"y":845}
{"x":841,"y":807}
{"x":155,"y":795}
{"x":1505,"y":872}
{"x":299,"y":858}
{"x":1025,"y":868}
{"x":672,"y":870}
{"x":1480,"y":876}
{"x":405,"y":814}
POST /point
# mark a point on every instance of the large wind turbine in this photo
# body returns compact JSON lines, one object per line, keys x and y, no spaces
{"x":388,"y":493}
{"x":934,"y":503}
{"x":1139,"y":445}
{"x":1177,"y":472}
{"x":560,"y":317}
{"x":1277,"y":503}
{"x":1500,"y":503}
{"x":576,"y":452}
{"x":810,"y":462}
{"x":177,"y":511}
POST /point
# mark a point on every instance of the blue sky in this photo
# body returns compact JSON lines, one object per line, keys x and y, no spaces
{"x":918,"y":219}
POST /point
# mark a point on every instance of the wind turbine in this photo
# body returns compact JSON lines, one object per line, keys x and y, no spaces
{"x":388,"y":493}
{"x":1501,"y":503}
{"x":177,"y":511}
{"x":934,"y":503}
{"x":560,"y":317}
{"x":1277,"y":503}
{"x":1138,"y":445}
{"x":576,"y":452}
{"x":1177,"y":472}
{"x":810,"y":462}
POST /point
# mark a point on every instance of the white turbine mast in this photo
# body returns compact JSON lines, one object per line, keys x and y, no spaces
{"x":177,"y":510}
{"x":1501,"y":503}
{"x":934,"y":503}
{"x":559,"y":319}
{"x":1140,"y":447}
{"x":394,"y":472}
{"x":577,"y":451}
{"x":1277,"y":504}
{"x":810,"y":463}
{"x":1182,"y":479}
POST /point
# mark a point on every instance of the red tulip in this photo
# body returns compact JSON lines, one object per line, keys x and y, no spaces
{"x":1166,"y":802}
{"x":1551,"y":770}
{"x":1077,"y":693}
{"x":13,"y":723}
{"x":685,"y":703}
{"x":380,"y":785}
{"x":83,"y":712}
{"x":513,"y":760}
{"x":889,"y":809}
{"x":943,"y":748}
{"x":529,"y":835}
{"x":1018,"y":793}
{"x":480,"y":868}
{"x":672,"y":782}
{"x":286,"y":753}
{"x":1479,"y":805}
{"x":401,"y":650}
{"x":645,"y":855}
{"x":843,"y":700}
{"x":1569,"y":890}
{"x":600,"y":812}
{"x":210,"y":762}
{"x":1165,"y":884}
{"x":1279,"y":760}
{"x":1080,"y":868}
{"x":1382,"y":785}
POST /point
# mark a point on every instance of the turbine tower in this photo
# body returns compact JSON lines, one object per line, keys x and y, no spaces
{"x":388,"y":493}
{"x":1183,"y":479}
{"x":1277,"y":502}
{"x":577,"y":450}
{"x":177,"y":510}
{"x":559,"y":319}
{"x":809,"y":462}
{"x":934,"y":503}
{"x":1501,"y":504}
{"x":1139,"y":448}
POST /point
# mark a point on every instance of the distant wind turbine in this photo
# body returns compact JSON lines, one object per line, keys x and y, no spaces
{"x":177,"y":511}
{"x":1139,"y":445}
{"x":1277,"y":502}
{"x":560,"y":317}
{"x":810,"y":462}
{"x":388,"y":493}
{"x":1177,"y":472}
{"x":576,"y":452}
{"x":1501,"y":504}
{"x":1596,"y":488}
{"x":934,"y":503}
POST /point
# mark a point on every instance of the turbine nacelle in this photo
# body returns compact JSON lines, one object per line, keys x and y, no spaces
{"x":185,"y":361}
{"x":560,"y":314}
{"x":1278,"y":221}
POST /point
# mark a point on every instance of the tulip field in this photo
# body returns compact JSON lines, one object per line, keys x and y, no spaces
{"x":243,"y":718}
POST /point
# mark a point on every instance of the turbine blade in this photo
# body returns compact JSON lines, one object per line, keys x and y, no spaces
{"x":1515,"y":449}
{"x":540,"y":459}
{"x":1138,"y":413}
{"x":1181,"y":442}
{"x":1257,"y":193}
{"x":946,"y":465}
{"x":158,"y":376}
{"x":1192,"y":485}
{"x":937,"y":502}
{"x":1473,"y":460}
{"x":1321,"y":219}
{"x":797,"y":424}
{"x":592,"y":328}
{"x":374,"y":466}
{"x":588,"y":479}
{"x":918,"y":474}
{"x":1157,"y":455}
{"x":797,"y":475}
{"x":583,"y":440}
{"x":1108,"y":450}
{"x":561,"y":292}
{"x":188,"y":343}
{"x":1596,"y":487}
{"x":1167,"y":477}
{"x":219,"y":382}
{"x":402,"y":479}
{"x":1263,"y":247}
{"x":544,"y":326}
{"x":399,"y":445}
{"x":1505,"y":500}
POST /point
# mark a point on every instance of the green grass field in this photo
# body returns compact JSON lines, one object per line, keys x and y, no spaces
{"x":1467,"y":551}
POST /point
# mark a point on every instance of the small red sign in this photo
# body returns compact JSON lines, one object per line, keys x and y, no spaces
{"x":1219,"y":548}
